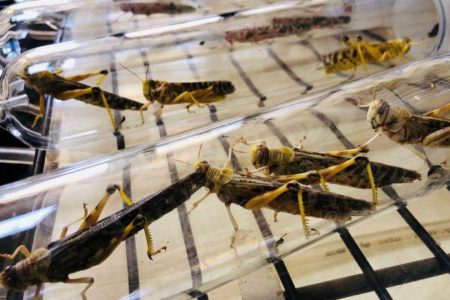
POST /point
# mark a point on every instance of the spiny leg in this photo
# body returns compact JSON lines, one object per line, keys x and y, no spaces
{"x":235,"y":225}
{"x":88,"y":280}
{"x":66,"y":228}
{"x":303,"y":219}
{"x":150,"y":251}
{"x":21,"y":249}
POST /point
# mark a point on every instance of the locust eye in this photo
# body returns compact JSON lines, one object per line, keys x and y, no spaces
{"x":260,"y":155}
{"x":383,"y":107}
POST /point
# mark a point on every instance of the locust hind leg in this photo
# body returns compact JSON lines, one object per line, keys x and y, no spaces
{"x":21,"y":249}
{"x":93,"y":217}
{"x":102,"y":74}
{"x":66,"y":228}
{"x":438,"y":111}
{"x":148,"y":236}
{"x":438,"y":138}
{"x":88,"y":280}
{"x":326,"y":174}
{"x":96,"y":90}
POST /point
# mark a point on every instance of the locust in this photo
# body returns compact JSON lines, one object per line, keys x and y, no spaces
{"x":400,"y":125}
{"x":156,"y":8}
{"x":333,"y":166}
{"x":431,"y":129}
{"x":281,"y":27}
{"x":95,"y":240}
{"x":253,"y":192}
{"x":69,"y":87}
{"x":193,"y":93}
{"x":358,"y":52}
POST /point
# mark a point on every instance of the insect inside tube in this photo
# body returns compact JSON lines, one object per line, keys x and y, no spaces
{"x":359,"y":52}
{"x":69,"y":87}
{"x":402,"y":126}
{"x":253,"y":192}
{"x":282,"y":27}
{"x":95,"y":240}
{"x":192,"y":93}
{"x":293,"y":164}
{"x":140,"y":8}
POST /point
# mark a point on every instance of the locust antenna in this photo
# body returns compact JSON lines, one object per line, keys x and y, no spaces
{"x":131,"y":71}
{"x":374,"y":92}
{"x":184,"y":162}
{"x":199,"y":152}
{"x":147,"y":71}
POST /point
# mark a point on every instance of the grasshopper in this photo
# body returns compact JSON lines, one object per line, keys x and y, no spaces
{"x":192,"y":93}
{"x":252,"y":192}
{"x":402,"y":126}
{"x":95,"y":240}
{"x":358,"y":52}
{"x":332,"y":166}
{"x":156,"y":8}
{"x":69,"y":87}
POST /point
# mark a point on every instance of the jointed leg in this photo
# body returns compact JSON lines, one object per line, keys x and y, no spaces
{"x":142,"y":109}
{"x":108,"y":109}
{"x":88,"y":280}
{"x":21,"y":249}
{"x":41,"y":110}
{"x":37,"y":291}
{"x":437,"y":137}
{"x":235,"y":225}
{"x":264,"y":199}
{"x":438,"y":111}
{"x":159,"y":112}
{"x":196,"y":203}
{"x":92,"y":218}
{"x":80,"y":77}
{"x":148,"y":237}
{"x":65,"y":228}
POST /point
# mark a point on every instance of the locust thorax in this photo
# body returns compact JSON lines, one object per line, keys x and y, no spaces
{"x":388,"y":118}
{"x":262,"y":156}
{"x":215,"y":177}
{"x":149,"y":89}
{"x":29,"y":271}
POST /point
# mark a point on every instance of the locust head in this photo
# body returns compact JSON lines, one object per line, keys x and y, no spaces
{"x":149,"y":88}
{"x":201,"y":166}
{"x":382,"y":116}
{"x":259,"y":155}
{"x":10,"y":280}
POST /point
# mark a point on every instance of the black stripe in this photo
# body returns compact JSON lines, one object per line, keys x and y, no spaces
{"x":191,"y":249}
{"x":130,"y":243}
{"x":246,"y":79}
{"x":283,"y":274}
{"x":288,"y":70}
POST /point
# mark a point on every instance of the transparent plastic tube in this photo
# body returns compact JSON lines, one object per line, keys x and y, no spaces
{"x":329,"y":120}
{"x":265,"y":73}
{"x":86,"y":17}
